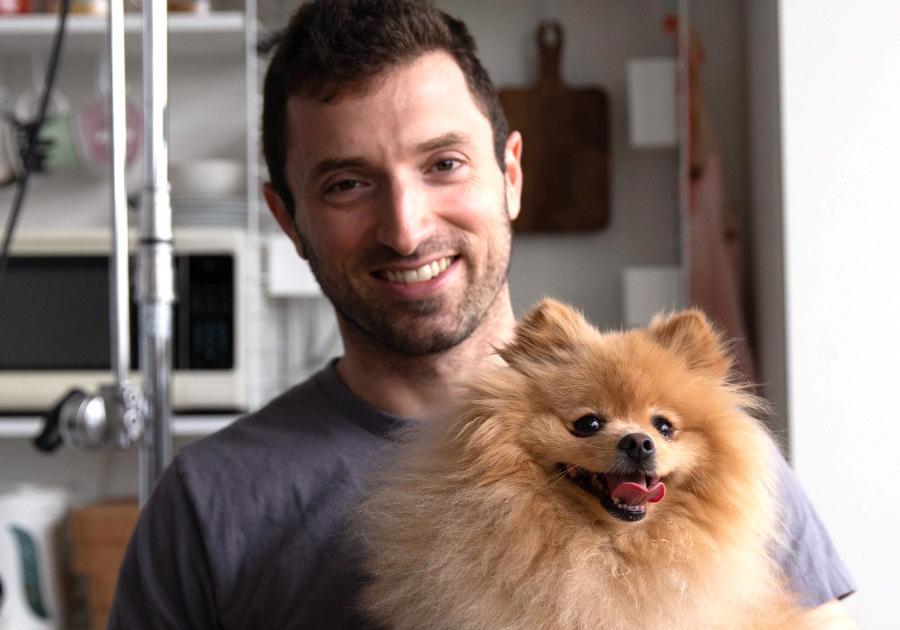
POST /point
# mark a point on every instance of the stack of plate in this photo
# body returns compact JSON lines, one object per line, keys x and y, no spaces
{"x":209,"y":211}
{"x":209,"y":192}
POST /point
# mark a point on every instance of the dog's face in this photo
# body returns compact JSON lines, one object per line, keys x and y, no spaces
{"x":617,"y":422}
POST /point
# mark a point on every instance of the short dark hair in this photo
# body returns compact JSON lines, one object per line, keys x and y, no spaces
{"x":331,"y":46}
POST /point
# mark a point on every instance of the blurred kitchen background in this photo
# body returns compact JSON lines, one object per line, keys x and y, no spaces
{"x":794,"y":150}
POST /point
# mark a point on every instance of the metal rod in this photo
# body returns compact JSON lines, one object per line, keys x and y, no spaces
{"x":252,"y":87}
{"x":251,"y":326}
{"x":156,"y":272}
{"x":120,"y":333}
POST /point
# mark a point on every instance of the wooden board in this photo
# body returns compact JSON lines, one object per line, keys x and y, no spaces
{"x":566,"y":146}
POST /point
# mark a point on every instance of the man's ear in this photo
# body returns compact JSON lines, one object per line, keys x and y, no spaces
{"x":283,"y":216}
{"x":549,"y":333}
{"x":512,"y":157}
{"x":690,"y":335}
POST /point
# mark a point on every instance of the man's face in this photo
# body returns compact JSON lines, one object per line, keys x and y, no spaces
{"x":401,"y":207}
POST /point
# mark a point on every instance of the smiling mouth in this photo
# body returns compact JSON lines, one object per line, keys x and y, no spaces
{"x":624,"y":496}
{"x":424,"y":273}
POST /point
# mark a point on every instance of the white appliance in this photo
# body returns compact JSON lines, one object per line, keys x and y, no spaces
{"x":54,"y":319}
{"x":31,"y":520}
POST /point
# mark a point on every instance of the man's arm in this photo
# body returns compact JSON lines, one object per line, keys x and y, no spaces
{"x":165,"y":579}
{"x":814,"y":570}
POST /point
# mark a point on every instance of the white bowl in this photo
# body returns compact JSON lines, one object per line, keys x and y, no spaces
{"x":208,"y":178}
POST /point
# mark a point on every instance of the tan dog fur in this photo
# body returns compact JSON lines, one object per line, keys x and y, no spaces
{"x":474,"y":526}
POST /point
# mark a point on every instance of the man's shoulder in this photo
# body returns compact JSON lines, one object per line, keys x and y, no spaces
{"x":298,"y":422}
{"x":311,"y":433}
{"x":296,"y":415}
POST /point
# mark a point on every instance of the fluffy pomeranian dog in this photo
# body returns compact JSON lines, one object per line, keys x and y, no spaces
{"x":595,"y":481}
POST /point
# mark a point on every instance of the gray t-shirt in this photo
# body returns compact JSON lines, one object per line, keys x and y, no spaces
{"x":246,"y":529}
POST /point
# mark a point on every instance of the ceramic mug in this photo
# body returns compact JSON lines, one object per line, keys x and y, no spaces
{"x":31,"y":521}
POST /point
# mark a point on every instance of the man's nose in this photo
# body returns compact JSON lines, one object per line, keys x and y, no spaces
{"x":404,"y":219}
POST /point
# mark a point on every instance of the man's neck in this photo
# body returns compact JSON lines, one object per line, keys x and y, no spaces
{"x":412,"y":385}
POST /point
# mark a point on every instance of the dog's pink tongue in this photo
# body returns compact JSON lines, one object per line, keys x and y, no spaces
{"x":638,"y":494}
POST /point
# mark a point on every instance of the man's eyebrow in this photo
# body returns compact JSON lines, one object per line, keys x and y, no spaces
{"x":443,"y":141}
{"x":328,"y":165}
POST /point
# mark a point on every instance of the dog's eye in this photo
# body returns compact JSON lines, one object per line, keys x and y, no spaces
{"x":587,"y":426}
{"x":663,"y":425}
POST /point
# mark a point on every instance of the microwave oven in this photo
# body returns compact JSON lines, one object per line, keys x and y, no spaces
{"x":55,"y":321}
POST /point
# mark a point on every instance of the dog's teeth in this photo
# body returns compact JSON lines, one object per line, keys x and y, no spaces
{"x":572,"y":472}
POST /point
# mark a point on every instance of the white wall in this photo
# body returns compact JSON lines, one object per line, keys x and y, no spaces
{"x":840,"y":71}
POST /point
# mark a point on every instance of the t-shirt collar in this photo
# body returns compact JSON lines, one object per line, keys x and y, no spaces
{"x":355,"y":408}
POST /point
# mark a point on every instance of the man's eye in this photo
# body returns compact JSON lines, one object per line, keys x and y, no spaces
{"x":344,"y":185}
{"x":447,"y":165}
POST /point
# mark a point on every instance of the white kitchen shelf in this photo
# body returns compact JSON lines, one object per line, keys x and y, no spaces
{"x":27,"y":427}
{"x":189,"y":35}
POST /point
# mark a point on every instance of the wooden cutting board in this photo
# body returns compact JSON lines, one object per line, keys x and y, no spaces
{"x":566,"y":146}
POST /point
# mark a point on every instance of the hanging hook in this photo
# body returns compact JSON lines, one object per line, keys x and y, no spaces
{"x":550,"y":43}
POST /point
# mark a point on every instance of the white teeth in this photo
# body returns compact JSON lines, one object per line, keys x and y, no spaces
{"x":423,"y":273}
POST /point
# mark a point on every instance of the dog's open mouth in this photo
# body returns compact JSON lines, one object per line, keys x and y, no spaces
{"x":624,"y":496}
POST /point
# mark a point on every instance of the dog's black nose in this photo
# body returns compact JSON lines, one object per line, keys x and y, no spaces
{"x":638,"y":446}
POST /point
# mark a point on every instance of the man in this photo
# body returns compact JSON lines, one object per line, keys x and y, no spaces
{"x":393,"y":172}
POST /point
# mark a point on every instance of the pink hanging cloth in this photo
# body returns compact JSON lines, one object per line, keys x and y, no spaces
{"x":714,"y":274}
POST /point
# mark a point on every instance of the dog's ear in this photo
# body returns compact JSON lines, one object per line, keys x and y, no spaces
{"x":548,"y":333}
{"x":690,"y":335}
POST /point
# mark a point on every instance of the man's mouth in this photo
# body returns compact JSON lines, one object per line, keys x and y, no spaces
{"x":424,"y":273}
{"x":624,"y":496}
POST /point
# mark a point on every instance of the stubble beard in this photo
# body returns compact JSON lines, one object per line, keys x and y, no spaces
{"x":400,"y":325}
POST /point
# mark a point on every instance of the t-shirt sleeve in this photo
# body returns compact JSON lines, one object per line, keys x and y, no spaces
{"x":164,"y":581}
{"x":814,"y":570}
